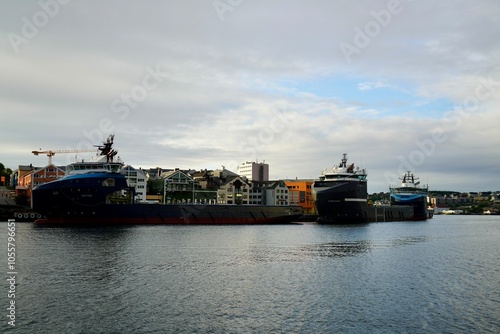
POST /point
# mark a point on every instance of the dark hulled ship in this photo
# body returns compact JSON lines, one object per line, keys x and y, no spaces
{"x":98,"y":193}
{"x":340,"y":196}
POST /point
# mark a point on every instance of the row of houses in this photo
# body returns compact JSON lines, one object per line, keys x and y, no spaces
{"x":464,"y":198}
{"x":466,"y":202}
{"x":220,"y":186}
{"x":223,"y":186}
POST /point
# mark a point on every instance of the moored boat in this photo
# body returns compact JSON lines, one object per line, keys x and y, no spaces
{"x":97,"y":193}
{"x":410,"y":193}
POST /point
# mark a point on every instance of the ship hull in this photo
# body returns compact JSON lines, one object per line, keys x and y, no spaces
{"x":173,"y":214}
{"x":418,"y":202}
{"x":345,"y":203}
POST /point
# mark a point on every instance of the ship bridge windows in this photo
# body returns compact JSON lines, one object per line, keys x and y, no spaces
{"x":360,"y":177}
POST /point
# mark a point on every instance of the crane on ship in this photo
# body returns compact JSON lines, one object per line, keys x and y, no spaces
{"x":51,"y":153}
{"x":106,"y":150}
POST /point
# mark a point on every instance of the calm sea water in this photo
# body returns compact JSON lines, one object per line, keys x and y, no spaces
{"x":442,"y":275}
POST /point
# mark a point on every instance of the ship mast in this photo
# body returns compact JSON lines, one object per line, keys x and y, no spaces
{"x":343,"y":164}
{"x":408,"y":177}
{"x":107,"y":150}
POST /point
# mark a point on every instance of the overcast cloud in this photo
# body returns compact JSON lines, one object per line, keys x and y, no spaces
{"x":199,"y":84}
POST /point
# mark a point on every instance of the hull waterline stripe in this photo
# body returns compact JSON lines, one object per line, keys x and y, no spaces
{"x":355,"y":199}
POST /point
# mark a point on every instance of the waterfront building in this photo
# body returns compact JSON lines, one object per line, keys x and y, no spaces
{"x":300,"y":194}
{"x":136,"y":178}
{"x":206,"y":179}
{"x":269,"y":193}
{"x":181,"y":187}
{"x":254,"y":171}
{"x":178,"y":187}
{"x":235,"y":190}
{"x":277,"y":193}
{"x":29,"y":177}
{"x":20,"y":173}
{"x":445,"y":201}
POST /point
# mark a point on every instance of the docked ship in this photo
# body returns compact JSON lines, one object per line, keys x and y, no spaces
{"x":340,"y":196}
{"x":98,"y":193}
{"x":412,"y":194}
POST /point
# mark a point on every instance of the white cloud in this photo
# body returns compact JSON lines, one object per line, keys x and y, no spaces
{"x":371,"y":85}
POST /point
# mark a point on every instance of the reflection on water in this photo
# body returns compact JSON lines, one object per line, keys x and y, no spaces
{"x":352,"y":248}
{"x":255,"y":254}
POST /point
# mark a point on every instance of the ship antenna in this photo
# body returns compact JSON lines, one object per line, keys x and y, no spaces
{"x":344,"y":160}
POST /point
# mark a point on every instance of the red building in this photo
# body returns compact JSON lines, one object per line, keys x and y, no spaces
{"x":29,"y":177}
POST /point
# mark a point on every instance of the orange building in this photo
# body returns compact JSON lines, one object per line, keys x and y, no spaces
{"x":300,"y":194}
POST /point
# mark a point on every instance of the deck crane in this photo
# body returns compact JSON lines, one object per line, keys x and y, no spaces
{"x":51,"y":153}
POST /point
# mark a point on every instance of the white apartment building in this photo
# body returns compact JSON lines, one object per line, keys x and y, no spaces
{"x":254,"y":171}
{"x":269,"y":193}
{"x":136,"y":178}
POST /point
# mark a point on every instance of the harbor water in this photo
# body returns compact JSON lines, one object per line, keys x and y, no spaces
{"x":435,"y":276}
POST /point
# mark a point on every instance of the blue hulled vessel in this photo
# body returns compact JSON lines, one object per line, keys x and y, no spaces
{"x":410,"y":193}
{"x":98,"y":193}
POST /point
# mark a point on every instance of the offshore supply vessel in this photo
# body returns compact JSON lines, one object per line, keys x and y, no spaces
{"x":410,"y":193}
{"x":340,"y":196}
{"x":98,"y":193}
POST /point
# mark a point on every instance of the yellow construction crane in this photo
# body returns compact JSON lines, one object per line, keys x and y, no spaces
{"x":51,"y":153}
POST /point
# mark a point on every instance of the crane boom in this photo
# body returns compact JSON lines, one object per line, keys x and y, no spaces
{"x":51,"y":153}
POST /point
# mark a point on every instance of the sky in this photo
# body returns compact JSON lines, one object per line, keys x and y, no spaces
{"x":397,"y":85}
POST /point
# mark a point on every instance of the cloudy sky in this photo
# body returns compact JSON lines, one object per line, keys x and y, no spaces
{"x":398,"y":85}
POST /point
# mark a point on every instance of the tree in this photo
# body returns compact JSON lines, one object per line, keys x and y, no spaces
{"x":4,"y":175}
